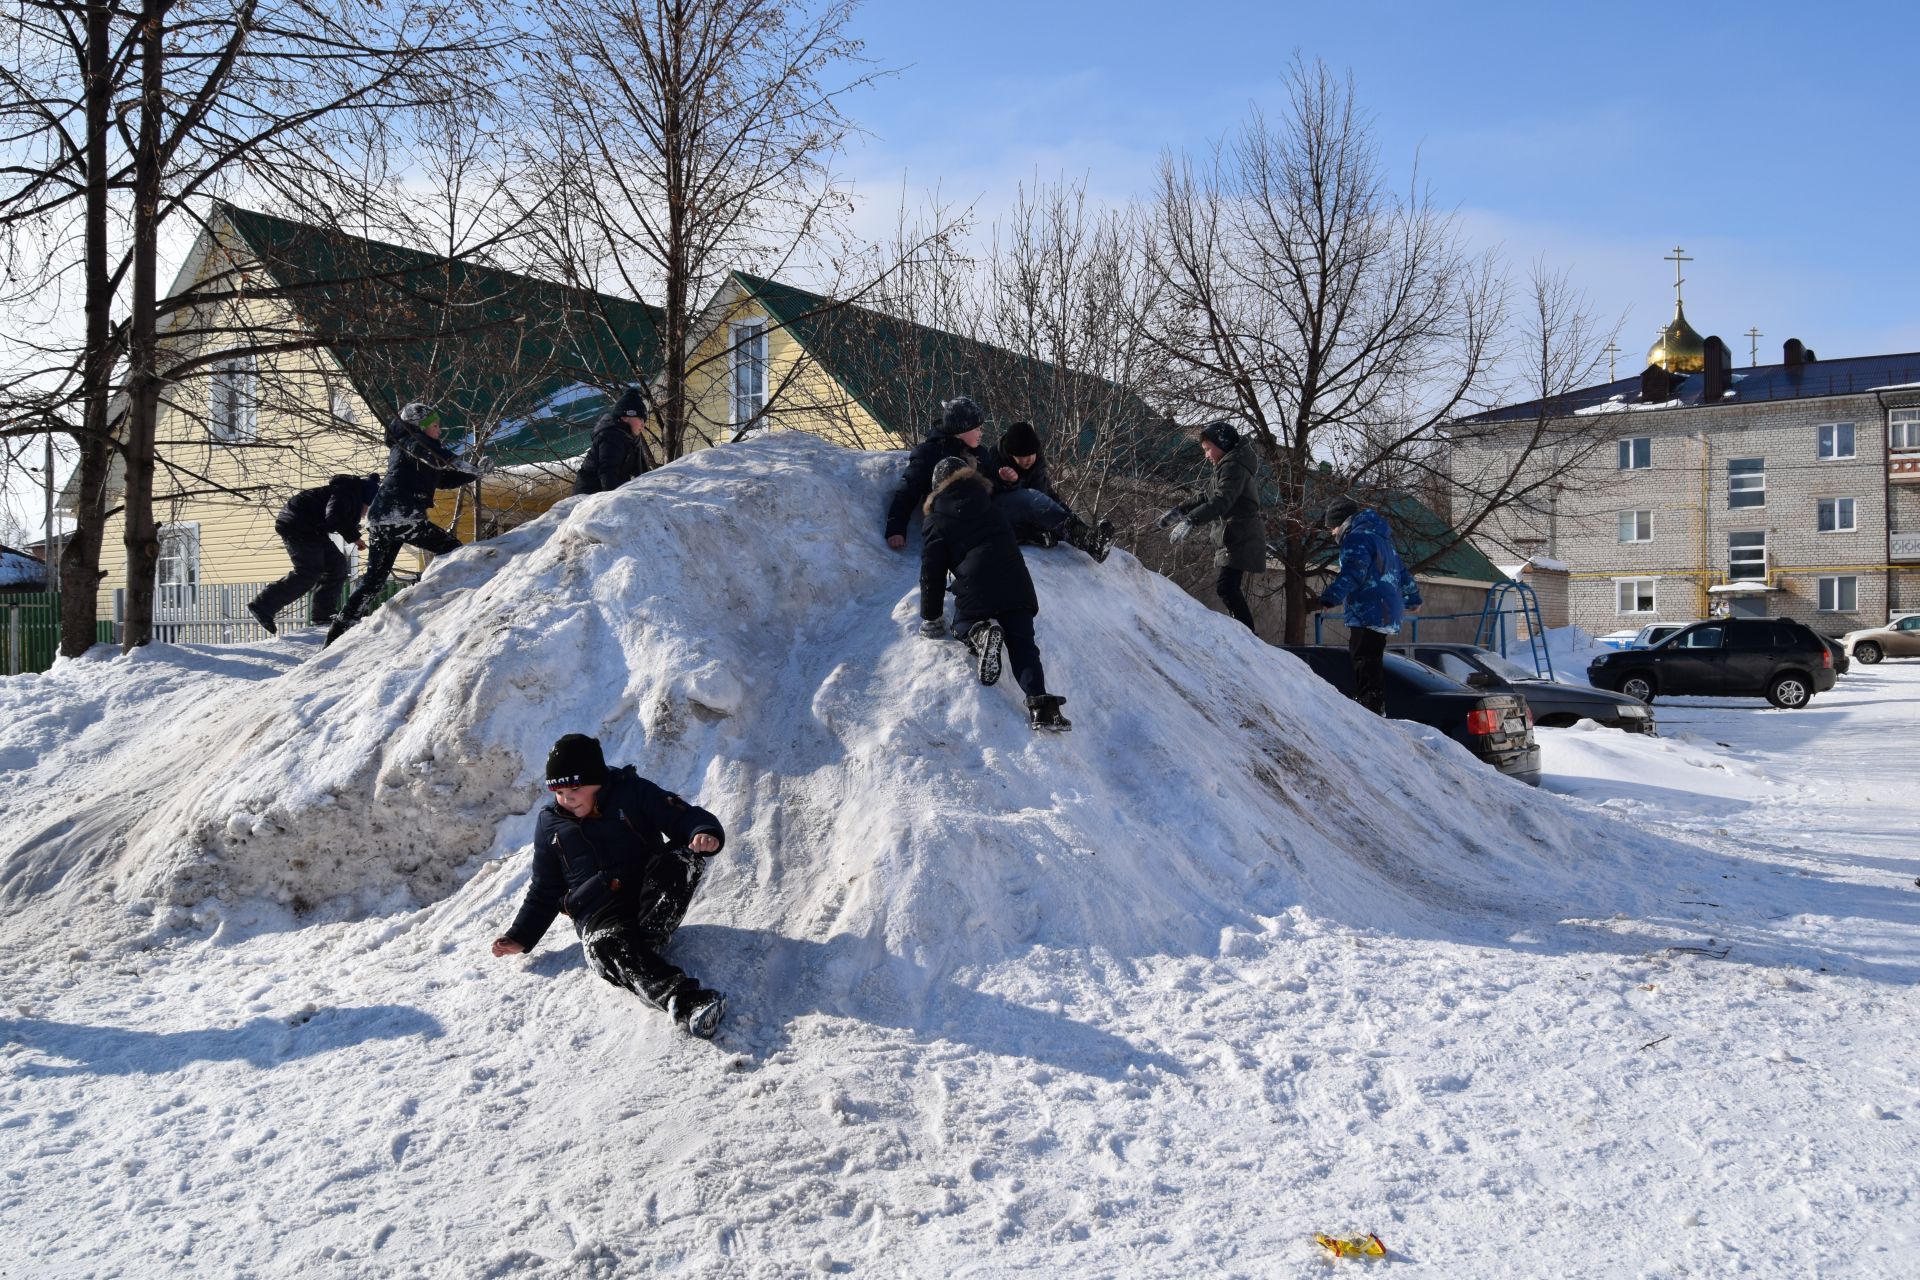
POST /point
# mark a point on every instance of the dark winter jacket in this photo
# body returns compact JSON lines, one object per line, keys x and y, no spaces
{"x":1034,"y":477}
{"x":1232,"y":507}
{"x":917,"y":482}
{"x":1375,"y":586}
{"x":966,"y":535}
{"x":581,"y":865}
{"x":417,"y":464}
{"x":333,"y":507}
{"x":615,"y":457}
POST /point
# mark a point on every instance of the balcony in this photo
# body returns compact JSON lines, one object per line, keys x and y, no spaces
{"x":1903,"y":466}
{"x":1904,"y":548}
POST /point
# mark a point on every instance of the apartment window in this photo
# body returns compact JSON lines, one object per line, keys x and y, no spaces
{"x":1636,"y":526}
{"x":177,"y":576}
{"x":1747,"y":556}
{"x":1746,"y":482}
{"x":230,"y":407}
{"x":1636,"y":454}
{"x":1836,"y":440}
{"x":1836,"y":515}
{"x":749,"y":344}
{"x":1635,"y":594}
{"x":1839,"y":595}
{"x":1903,"y":429}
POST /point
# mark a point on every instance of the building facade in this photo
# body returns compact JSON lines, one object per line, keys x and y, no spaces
{"x":1789,"y":490}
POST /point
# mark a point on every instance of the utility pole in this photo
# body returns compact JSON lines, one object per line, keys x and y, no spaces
{"x":48,"y":556}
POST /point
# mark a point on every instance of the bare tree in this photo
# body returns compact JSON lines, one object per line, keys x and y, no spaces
{"x":1296,"y":293}
{"x":693,"y":137}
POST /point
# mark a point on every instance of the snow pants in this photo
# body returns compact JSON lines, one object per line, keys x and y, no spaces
{"x":315,"y":560}
{"x":1228,"y":587}
{"x":1368,"y":649}
{"x":623,"y":942}
{"x":1023,"y":651}
{"x":1032,"y":512}
{"x":383,"y":546}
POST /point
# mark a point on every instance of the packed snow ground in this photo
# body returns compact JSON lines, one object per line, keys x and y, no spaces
{"x":1228,"y":965}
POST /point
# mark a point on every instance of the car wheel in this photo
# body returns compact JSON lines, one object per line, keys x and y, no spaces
{"x":1790,"y":691}
{"x":1638,"y":685}
{"x":1867,"y":651}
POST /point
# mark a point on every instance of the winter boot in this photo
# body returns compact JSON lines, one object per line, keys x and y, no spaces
{"x":262,"y":617}
{"x":696,"y":1009}
{"x":341,"y":625}
{"x":1043,"y":712}
{"x":1096,"y":542}
{"x":986,"y":639}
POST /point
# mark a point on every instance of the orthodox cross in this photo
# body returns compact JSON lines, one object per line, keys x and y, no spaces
{"x":1677,"y":257}
{"x":1753,"y":337}
{"x":1611,"y":350}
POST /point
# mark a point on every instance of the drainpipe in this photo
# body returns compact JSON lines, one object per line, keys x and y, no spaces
{"x":1886,"y":497}
{"x":1706,"y":521}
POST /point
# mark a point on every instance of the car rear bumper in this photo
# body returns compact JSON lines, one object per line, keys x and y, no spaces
{"x":1523,"y":766}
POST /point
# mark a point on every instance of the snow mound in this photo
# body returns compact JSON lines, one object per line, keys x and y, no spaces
{"x":735,"y":625}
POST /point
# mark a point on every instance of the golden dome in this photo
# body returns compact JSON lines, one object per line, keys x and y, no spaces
{"x":1680,"y":349}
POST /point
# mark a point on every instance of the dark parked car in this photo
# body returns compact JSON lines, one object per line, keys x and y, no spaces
{"x":1775,"y":658}
{"x":1554,"y":705}
{"x":1838,"y":649}
{"x":1497,"y":727}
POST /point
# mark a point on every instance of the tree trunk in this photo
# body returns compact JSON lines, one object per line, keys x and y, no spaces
{"x":143,"y":380}
{"x":80,"y":558}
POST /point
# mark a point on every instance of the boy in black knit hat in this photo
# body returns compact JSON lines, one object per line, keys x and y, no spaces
{"x":1038,"y":514}
{"x":622,"y":858}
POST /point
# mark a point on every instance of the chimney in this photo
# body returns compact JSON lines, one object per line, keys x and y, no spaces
{"x":1718,"y":372}
{"x":1793,"y":353}
{"x":1656,"y":384}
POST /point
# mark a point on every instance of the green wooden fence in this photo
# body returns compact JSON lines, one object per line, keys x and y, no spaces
{"x":30,"y":631}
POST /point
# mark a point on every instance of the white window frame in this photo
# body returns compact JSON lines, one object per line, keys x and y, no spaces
{"x":233,"y":400}
{"x":1733,"y":576}
{"x":1827,"y":442}
{"x":1742,"y":482}
{"x":1849,"y":505}
{"x":1622,"y":585}
{"x":747,"y":369}
{"x":1637,"y":518}
{"x":1903,"y":430}
{"x":1839,"y":594}
{"x":1627,"y":450}
{"x":176,"y":577}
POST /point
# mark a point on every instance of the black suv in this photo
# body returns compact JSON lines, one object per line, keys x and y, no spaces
{"x":1497,"y":727}
{"x":1775,"y":658}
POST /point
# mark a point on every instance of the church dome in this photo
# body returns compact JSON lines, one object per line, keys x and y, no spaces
{"x":1679,"y":349}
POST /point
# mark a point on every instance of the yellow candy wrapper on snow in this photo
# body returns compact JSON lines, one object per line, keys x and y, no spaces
{"x":1367,"y":1246}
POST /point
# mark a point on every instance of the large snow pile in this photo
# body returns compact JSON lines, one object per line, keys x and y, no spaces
{"x":736,"y":626}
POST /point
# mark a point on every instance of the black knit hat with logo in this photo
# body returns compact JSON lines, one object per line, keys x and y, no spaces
{"x":631,"y":404}
{"x":575,"y":761}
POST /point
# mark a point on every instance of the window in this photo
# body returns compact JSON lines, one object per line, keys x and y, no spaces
{"x":1636,"y":526}
{"x":1747,"y":556}
{"x":1746,"y":482}
{"x":342,"y":407}
{"x":230,"y":402}
{"x":1836,"y":515}
{"x":177,"y":576}
{"x":1701,"y":638}
{"x":1636,"y":454}
{"x":749,"y":343}
{"x":1903,"y":429}
{"x":1836,"y":440}
{"x":1839,"y":595}
{"x":1636,"y":594}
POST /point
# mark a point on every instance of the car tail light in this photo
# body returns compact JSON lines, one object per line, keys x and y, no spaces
{"x":1485,"y":721}
{"x":1826,"y":657}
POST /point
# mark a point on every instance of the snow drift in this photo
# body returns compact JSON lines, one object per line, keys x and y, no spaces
{"x":735,"y":625}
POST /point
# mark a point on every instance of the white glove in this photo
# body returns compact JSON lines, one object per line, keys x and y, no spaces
{"x":1180,"y":531}
{"x":934,"y":628}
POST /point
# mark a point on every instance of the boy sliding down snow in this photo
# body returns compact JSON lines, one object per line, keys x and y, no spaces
{"x":965,"y":533}
{"x":622,"y":857}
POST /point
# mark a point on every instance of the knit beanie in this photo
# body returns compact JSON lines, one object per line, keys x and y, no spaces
{"x":947,"y":467}
{"x":632,"y":402}
{"x":1340,"y":510}
{"x":1020,"y":441}
{"x":1221,"y":435}
{"x":959,"y":416}
{"x":575,"y":761}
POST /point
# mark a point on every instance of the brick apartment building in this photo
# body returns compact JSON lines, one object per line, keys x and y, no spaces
{"x":1783,"y":490}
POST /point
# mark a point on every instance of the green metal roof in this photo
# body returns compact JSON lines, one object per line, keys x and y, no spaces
{"x":525,"y":365}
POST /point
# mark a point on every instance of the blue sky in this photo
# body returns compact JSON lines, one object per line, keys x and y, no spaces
{"x":1775,"y":141}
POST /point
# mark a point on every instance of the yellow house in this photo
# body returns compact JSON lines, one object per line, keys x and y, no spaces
{"x":301,"y":343}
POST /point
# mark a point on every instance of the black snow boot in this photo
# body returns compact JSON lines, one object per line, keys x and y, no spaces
{"x":696,"y":1009}
{"x":262,"y":617}
{"x":341,"y":625}
{"x":1095,"y":541}
{"x":1043,"y":712}
{"x":986,"y":641}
